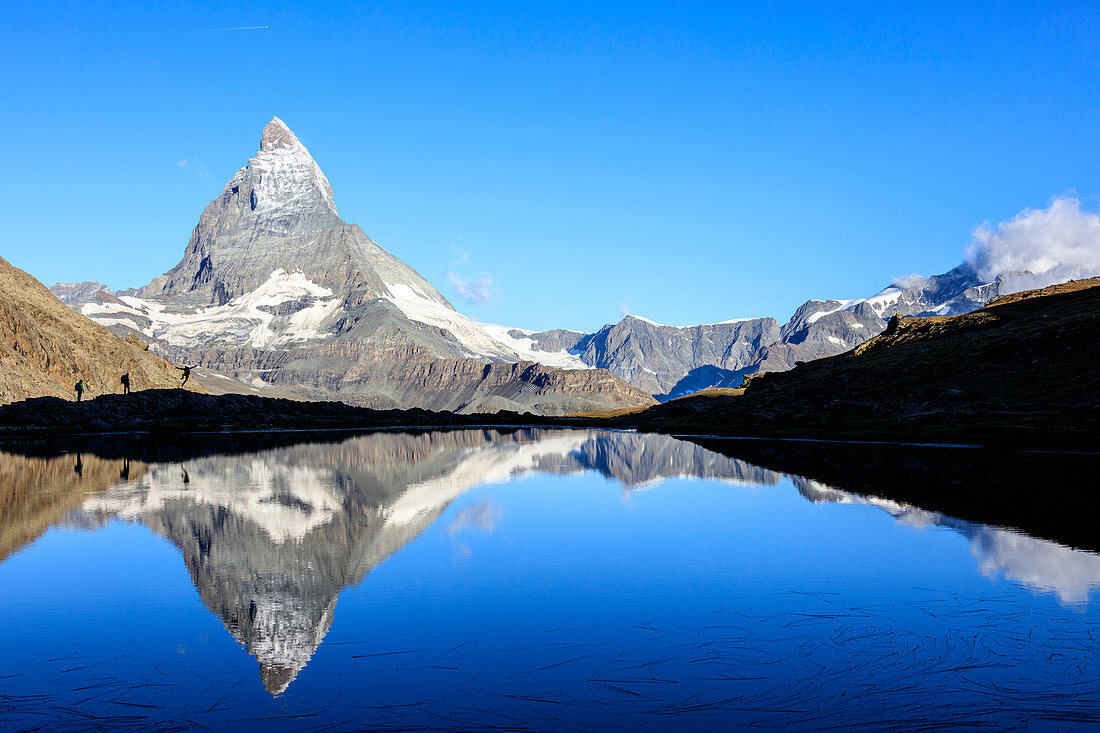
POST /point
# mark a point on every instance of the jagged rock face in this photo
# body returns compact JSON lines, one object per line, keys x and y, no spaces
{"x":400,"y":377}
{"x":668,"y":361}
{"x":45,"y":347}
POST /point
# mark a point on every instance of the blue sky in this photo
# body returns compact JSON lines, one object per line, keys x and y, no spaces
{"x":688,"y":162}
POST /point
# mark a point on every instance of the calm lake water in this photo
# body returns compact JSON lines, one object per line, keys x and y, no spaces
{"x":530,"y":580}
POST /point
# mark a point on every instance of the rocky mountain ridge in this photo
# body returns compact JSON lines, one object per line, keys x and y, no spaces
{"x":275,"y":290}
{"x":1020,"y":371}
{"x":672,"y":361}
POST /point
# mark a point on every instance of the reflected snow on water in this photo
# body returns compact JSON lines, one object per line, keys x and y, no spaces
{"x":520,"y":579}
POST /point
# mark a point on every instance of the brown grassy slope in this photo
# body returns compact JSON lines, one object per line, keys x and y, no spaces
{"x":45,"y":347}
{"x":1023,"y":369}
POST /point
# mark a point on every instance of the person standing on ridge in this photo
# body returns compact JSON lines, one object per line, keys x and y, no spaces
{"x":79,"y":389}
{"x":125,"y":379}
{"x":186,"y":374}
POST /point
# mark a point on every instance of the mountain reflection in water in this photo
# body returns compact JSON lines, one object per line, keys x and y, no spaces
{"x":271,"y":537}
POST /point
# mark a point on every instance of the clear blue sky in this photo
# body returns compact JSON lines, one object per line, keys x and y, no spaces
{"x":696,"y":162}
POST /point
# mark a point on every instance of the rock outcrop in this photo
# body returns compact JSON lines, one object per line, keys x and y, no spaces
{"x":45,"y":347}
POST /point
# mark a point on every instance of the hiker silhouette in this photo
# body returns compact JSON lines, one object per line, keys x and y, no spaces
{"x":186,"y":374}
{"x":79,"y":389}
{"x":125,"y":379}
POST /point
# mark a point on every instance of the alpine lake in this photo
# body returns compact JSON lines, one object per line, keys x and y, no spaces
{"x":543,"y":580}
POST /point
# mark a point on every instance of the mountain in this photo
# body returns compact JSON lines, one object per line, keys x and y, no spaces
{"x":276,"y":290}
{"x":77,"y":293}
{"x":1021,"y":370}
{"x":45,"y":347}
{"x":672,"y":361}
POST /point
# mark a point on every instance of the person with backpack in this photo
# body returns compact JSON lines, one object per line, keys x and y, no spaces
{"x":125,"y":379}
{"x":79,"y":389}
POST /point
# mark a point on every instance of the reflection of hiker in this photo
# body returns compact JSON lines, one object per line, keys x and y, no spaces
{"x":125,"y":379}
{"x":186,"y":374}
{"x":78,"y":469}
{"x":124,"y":474}
{"x":186,"y":478}
{"x":79,"y":389}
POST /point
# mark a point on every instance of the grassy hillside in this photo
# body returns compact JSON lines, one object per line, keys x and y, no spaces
{"x":45,"y":347}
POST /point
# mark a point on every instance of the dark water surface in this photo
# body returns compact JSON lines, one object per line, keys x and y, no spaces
{"x":528,"y":580}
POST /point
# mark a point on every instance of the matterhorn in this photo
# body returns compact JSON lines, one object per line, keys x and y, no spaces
{"x":276,"y":291}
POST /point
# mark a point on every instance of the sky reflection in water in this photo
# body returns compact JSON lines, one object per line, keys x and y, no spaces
{"x":528,"y":580}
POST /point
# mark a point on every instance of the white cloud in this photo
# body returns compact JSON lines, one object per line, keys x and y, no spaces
{"x":478,"y":291}
{"x":182,"y":163}
{"x":910,"y":281}
{"x":624,"y":307}
{"x":1039,"y":247}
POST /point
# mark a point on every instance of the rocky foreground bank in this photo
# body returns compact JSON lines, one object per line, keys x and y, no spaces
{"x":167,"y":411}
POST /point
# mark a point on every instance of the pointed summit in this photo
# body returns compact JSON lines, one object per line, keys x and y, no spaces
{"x":277,"y":135}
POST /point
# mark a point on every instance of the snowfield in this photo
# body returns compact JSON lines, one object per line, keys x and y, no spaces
{"x":240,"y":322}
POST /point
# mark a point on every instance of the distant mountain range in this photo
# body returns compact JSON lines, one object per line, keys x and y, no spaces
{"x":275,"y":290}
{"x":1021,"y":371}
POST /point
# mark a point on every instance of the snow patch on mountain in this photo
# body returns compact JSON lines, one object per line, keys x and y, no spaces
{"x":288,"y":174}
{"x":529,"y":350}
{"x":491,"y":464}
{"x":694,"y":325}
{"x":879,"y":302}
{"x":418,"y":306}
{"x":251,"y":319}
